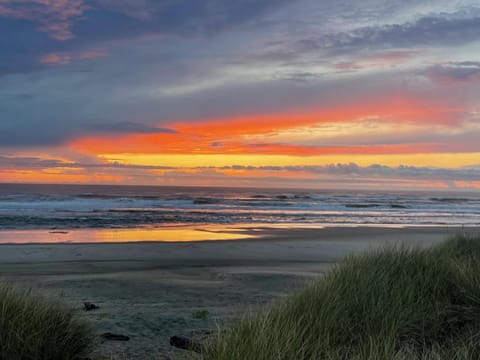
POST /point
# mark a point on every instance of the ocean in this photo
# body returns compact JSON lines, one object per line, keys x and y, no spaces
{"x":70,"y":207}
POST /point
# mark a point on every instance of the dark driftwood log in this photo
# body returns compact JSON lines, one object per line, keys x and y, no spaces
{"x":185,"y":343}
{"x":114,"y":337}
{"x":87,"y":306}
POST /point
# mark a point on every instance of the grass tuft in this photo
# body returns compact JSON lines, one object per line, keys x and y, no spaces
{"x":200,"y":314}
{"x":33,"y":329}
{"x":394,"y":303}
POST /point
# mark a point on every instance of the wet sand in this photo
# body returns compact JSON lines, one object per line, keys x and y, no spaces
{"x":152,"y":290}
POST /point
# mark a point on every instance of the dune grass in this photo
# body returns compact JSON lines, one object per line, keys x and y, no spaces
{"x":394,"y":304}
{"x":34,"y":329}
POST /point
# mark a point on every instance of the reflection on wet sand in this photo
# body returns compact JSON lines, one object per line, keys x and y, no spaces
{"x":121,"y":235}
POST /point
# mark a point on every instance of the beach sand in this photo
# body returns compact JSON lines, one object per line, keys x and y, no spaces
{"x":153,"y":290}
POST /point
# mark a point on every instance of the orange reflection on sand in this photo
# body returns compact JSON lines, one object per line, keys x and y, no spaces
{"x":121,"y":235}
{"x":166,"y":235}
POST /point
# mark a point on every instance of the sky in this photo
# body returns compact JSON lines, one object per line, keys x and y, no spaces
{"x":279,"y":93}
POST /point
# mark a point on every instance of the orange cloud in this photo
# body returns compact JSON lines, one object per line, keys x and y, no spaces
{"x":63,"y":58}
{"x":230,"y":136}
{"x":56,"y":176}
{"x":468,"y":184}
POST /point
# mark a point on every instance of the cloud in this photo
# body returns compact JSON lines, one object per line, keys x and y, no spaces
{"x":13,"y":134}
{"x":133,"y":17}
{"x":392,"y":57}
{"x":377,"y":60}
{"x":454,"y":72}
{"x":36,"y":163}
{"x":19,"y":96}
{"x":75,"y":26}
{"x":397,"y":42}
{"x":139,"y":9}
{"x":62,"y":133}
{"x":62,"y":58}
{"x":433,"y":31}
{"x":129,"y":128}
{"x":374,"y":171}
{"x":10,"y":162}
{"x":55,"y":17}
{"x":347,"y":175}
{"x":203,"y":48}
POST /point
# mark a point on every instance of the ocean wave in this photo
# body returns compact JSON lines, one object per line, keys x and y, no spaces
{"x":42,"y":207}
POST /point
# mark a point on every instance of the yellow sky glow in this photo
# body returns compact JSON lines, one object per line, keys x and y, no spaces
{"x":446,"y":160}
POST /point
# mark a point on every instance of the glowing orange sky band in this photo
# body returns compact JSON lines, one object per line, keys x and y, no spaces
{"x":230,"y":136}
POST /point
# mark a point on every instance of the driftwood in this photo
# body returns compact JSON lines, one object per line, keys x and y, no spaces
{"x":87,"y":306}
{"x":186,"y":343}
{"x":114,"y":337}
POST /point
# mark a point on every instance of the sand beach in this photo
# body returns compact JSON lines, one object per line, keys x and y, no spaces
{"x":150,"y":291}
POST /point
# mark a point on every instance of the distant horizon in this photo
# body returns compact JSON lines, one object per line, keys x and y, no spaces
{"x":297,"y":189}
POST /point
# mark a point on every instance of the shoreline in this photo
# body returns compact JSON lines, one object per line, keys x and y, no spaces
{"x":268,"y":245}
{"x":204,"y":233}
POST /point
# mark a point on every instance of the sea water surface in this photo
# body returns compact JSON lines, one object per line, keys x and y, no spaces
{"x":124,"y":213}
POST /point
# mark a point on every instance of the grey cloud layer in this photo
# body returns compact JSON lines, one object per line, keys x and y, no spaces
{"x":454,"y":71}
{"x":128,"y":127}
{"x":17,"y":162}
{"x":351,"y":170}
{"x":66,"y":26}
{"x":432,"y":31}
{"x":377,"y":171}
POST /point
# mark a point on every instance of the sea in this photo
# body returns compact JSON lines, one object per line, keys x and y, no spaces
{"x":74,"y":212}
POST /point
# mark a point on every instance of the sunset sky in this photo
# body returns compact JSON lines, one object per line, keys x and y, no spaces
{"x":325,"y":94}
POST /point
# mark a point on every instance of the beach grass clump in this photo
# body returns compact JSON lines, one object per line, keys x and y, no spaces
{"x":32,"y":328}
{"x":394,"y":303}
{"x":200,"y":314}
